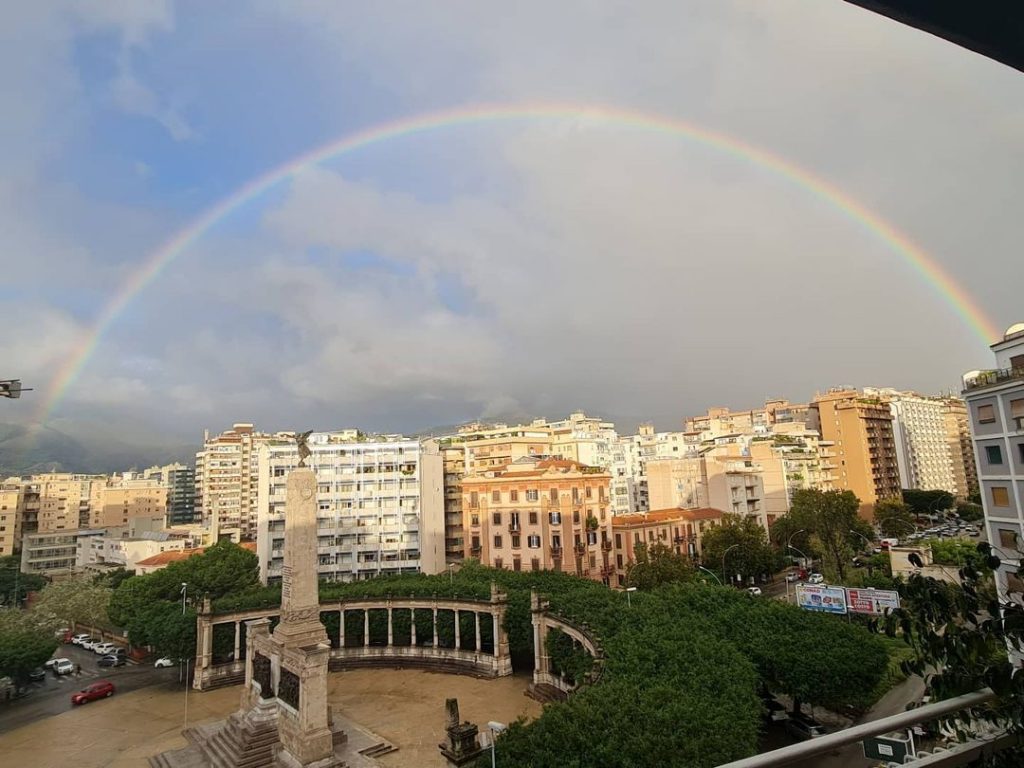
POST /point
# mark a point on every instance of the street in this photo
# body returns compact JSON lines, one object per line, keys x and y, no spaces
{"x":53,"y":695}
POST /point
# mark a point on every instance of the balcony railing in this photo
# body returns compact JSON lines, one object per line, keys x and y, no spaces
{"x":989,"y":378}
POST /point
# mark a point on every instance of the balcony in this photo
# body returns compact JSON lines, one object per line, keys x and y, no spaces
{"x":514,"y":527}
{"x":991,"y":378}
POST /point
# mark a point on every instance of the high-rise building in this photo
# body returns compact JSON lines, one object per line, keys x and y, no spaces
{"x":225,"y":480}
{"x":12,"y":510}
{"x":860,"y":430}
{"x":116,"y":501}
{"x":540,"y":514}
{"x":921,"y":439}
{"x":380,"y":502}
{"x":180,"y":481}
{"x":961,"y":447}
{"x":995,"y":402}
{"x":60,"y":501}
{"x":716,"y":477}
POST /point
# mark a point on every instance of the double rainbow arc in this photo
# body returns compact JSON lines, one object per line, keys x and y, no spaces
{"x":943,"y":284}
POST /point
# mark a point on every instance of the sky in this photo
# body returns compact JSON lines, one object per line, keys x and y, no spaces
{"x":498,"y":269}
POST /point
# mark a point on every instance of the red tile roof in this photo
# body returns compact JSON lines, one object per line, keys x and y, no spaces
{"x":174,"y":555}
{"x":666,"y":515}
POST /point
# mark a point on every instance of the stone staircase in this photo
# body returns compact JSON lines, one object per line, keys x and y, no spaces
{"x":545,"y":693}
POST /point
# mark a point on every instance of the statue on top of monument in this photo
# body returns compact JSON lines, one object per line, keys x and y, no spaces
{"x":301,"y":439}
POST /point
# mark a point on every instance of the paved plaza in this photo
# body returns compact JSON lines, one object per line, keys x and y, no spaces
{"x":406,"y":707}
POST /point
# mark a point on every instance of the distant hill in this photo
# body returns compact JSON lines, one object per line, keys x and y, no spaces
{"x":82,"y":447}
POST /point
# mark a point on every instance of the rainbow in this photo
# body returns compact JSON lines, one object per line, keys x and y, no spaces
{"x":157,"y":262}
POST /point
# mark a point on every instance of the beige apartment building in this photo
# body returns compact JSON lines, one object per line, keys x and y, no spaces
{"x":860,"y":430}
{"x":540,"y":514}
{"x":961,"y":448}
{"x":12,"y":509}
{"x":58,"y":501}
{"x":681,"y":530}
{"x":226,"y":480}
{"x":116,"y":501}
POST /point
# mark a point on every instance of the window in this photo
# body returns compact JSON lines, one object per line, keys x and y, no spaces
{"x":556,"y":542}
{"x":496,"y":518}
{"x":475,"y":543}
{"x":591,"y":537}
{"x":474,"y":519}
{"x":986,"y":414}
{"x":618,"y":541}
{"x":636,"y":537}
{"x":515,"y":541}
{"x":593,"y":561}
{"x":554,"y":494}
{"x":575,"y":495}
{"x":513,"y":495}
{"x":1014,"y":582}
{"x":533,"y":518}
{"x":1020,"y":450}
{"x":555,"y":518}
{"x":497,"y":541}
{"x":1007,"y":539}
{"x":497,"y":563}
{"x":618,"y":561}
{"x":1017,"y":413}
{"x":993,"y":454}
{"x":1000,"y":497}
{"x":576,"y":516}
{"x":535,"y":564}
{"x":474,"y":499}
{"x":533,"y":541}
{"x":1017,"y":361}
{"x":532,"y":495}
{"x":589,"y":492}
{"x":496,"y":496}
{"x":517,"y":564}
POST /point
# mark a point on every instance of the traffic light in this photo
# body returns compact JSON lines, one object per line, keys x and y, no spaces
{"x":10,"y":388}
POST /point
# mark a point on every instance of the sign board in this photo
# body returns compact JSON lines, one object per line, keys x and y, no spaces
{"x":873,"y":602}
{"x":819,"y":597}
{"x":893,"y":747}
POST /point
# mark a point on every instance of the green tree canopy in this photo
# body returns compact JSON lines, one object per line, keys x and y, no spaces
{"x":928,"y":502}
{"x":752,"y":556}
{"x":894,"y":518}
{"x":23,"y":646}
{"x":657,"y":565}
{"x":11,"y":575}
{"x":969,"y":511}
{"x":73,"y":600}
{"x":830,"y":517}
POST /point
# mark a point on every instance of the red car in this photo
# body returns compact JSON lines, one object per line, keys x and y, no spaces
{"x":99,"y":690}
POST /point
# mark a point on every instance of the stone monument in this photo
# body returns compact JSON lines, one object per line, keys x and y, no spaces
{"x":463,"y":742}
{"x":284,"y":720}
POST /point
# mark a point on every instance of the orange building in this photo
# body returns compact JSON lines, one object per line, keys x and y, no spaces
{"x":540,"y":514}
{"x":680,"y":529}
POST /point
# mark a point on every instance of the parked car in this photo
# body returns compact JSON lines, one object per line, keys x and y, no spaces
{"x":100,"y":690}
{"x":804,"y":728}
{"x":37,"y":674}
{"x":165,"y":661}
{"x":793,"y":576}
{"x":50,"y":662}
{"x":89,"y":644}
{"x":754,"y":591}
{"x":815,"y":578}
{"x":773,"y":710}
{"x":112,"y":660}
{"x":102,"y":649}
{"x":79,"y":639}
{"x":63,"y":667}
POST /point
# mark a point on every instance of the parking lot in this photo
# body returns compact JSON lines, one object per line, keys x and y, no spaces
{"x":52,"y":695}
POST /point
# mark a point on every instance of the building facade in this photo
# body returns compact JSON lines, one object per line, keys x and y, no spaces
{"x":12,"y":511}
{"x":961,"y":447}
{"x":60,"y":501}
{"x":380,"y":501}
{"x":995,"y":403}
{"x":226,"y":476}
{"x":718,"y":477}
{"x":681,"y":530}
{"x":540,"y":514}
{"x":859,"y":428}
{"x":52,"y":554}
{"x":116,"y":501}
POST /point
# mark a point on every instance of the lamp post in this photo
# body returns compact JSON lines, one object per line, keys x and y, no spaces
{"x":495,"y":728}
{"x":911,"y":526}
{"x":727,"y":551}
{"x":451,"y":574}
{"x":184,"y":591}
{"x":712,"y":573}
{"x":789,"y":545}
{"x":870,"y":546}
{"x":629,"y":601}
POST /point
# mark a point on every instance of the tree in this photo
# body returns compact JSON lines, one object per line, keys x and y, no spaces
{"x":751,"y":556}
{"x":23,"y":647}
{"x":656,"y":565}
{"x":894,"y":518}
{"x":72,"y":601}
{"x":11,"y":575}
{"x":928,"y":502}
{"x":829,"y":516}
{"x":969,"y":511}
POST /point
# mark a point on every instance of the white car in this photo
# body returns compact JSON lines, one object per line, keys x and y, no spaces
{"x":816,"y":578}
{"x":754,"y":591}
{"x":103,"y":649}
{"x":63,"y":667}
{"x":793,"y":576}
{"x":165,"y":661}
{"x":79,"y":639}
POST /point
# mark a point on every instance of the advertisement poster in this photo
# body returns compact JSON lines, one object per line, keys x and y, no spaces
{"x":819,"y":597}
{"x":873,"y":602}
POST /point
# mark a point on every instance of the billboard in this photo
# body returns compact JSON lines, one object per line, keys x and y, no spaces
{"x":873,"y":602}
{"x":818,"y":597}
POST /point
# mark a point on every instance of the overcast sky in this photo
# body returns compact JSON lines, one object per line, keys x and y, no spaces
{"x":506,"y":268}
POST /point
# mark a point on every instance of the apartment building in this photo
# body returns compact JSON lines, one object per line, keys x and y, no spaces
{"x":722,"y":421}
{"x":380,"y":500}
{"x":453,"y":457}
{"x":717,"y":477}
{"x":921,"y":439}
{"x":961,"y":447}
{"x":995,"y":403}
{"x":180,"y":481}
{"x":12,"y":510}
{"x":226,"y":480}
{"x":540,"y":514}
{"x":125,"y":547}
{"x":630,"y":454}
{"x":51,"y":553}
{"x":59,"y":501}
{"x":681,"y":530}
{"x":115,"y":501}
{"x":859,"y":427}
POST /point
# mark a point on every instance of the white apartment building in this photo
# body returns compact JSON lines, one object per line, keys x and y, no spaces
{"x":628,"y":467}
{"x":381,"y":506}
{"x":995,"y":402}
{"x":921,"y":439}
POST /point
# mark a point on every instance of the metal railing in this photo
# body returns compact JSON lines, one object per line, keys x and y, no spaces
{"x":988,"y":378}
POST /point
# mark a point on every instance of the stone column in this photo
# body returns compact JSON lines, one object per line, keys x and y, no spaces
{"x":476,"y":618}
{"x":391,"y":634}
{"x":497,"y":644}
{"x":341,"y":628}
{"x":435,"y":626}
{"x":238,"y":638}
{"x":412,"y":626}
{"x":366,"y":627}
{"x":458,"y":644}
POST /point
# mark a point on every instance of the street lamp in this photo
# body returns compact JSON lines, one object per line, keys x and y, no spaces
{"x":727,"y":551}
{"x":911,"y":526}
{"x":629,"y":601}
{"x":806,"y":560}
{"x":495,"y":728}
{"x":712,"y":573}
{"x":451,"y":574}
{"x":184,"y":591}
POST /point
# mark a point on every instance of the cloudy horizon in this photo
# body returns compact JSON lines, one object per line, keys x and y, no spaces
{"x":500,"y":268}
